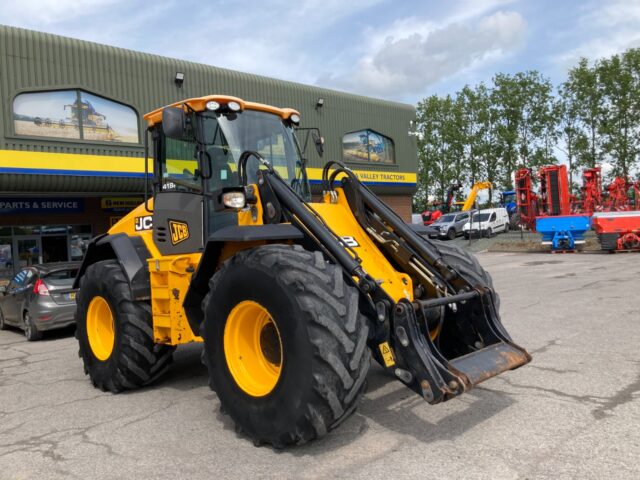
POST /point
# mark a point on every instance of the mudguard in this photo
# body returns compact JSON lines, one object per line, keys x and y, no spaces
{"x":210,"y":257}
{"x":130,"y":252}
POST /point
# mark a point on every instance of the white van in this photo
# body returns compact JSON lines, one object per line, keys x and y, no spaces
{"x":487,"y":222}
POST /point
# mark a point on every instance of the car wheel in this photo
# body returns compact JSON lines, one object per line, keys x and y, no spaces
{"x":451,"y":234}
{"x":30,"y":330}
{"x":3,"y":326}
{"x":466,"y":235}
{"x":506,"y":227}
{"x":488,"y":232}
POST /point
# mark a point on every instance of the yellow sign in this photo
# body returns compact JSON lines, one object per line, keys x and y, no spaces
{"x":372,"y":176}
{"x":179,"y":231}
{"x":47,"y":163}
{"x":387,"y":354}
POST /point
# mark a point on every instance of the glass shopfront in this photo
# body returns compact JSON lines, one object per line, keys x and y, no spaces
{"x":26,"y":245}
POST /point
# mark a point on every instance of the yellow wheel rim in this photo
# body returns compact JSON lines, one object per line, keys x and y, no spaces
{"x":100,"y":328}
{"x":253,"y":348}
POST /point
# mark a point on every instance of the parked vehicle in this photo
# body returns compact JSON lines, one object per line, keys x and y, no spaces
{"x":289,"y":297}
{"x":39,"y":298}
{"x":449,"y":225}
{"x":487,"y":222}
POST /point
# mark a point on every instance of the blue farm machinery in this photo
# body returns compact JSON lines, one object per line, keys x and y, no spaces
{"x":549,"y":211}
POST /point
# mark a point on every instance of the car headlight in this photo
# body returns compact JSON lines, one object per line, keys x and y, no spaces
{"x":234,"y":200}
{"x":212,"y":105}
{"x":233,"y":106}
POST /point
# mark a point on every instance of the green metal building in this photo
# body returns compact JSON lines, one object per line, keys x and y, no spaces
{"x":71,"y":132}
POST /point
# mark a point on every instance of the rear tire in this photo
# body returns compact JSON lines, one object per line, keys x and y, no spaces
{"x":323,"y":343}
{"x":134,"y":359}
{"x":30,"y":330}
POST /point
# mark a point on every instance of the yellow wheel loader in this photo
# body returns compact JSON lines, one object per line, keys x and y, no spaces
{"x":291,"y":298}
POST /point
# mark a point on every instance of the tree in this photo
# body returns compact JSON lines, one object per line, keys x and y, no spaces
{"x":582,"y":86}
{"x":526,"y":118}
{"x":570,"y":131}
{"x":479,"y":136}
{"x":619,"y":85}
{"x":440,"y":145}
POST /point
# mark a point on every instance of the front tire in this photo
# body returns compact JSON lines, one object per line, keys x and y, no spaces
{"x":466,"y":263}
{"x":115,"y":332}
{"x":320,"y":358}
{"x":451,"y":234}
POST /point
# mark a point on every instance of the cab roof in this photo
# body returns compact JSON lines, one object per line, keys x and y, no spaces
{"x":198,"y":104}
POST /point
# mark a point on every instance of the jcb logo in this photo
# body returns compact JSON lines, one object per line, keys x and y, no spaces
{"x":179,"y":231}
{"x":143,"y":223}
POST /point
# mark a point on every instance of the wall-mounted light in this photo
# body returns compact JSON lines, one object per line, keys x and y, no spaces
{"x":413,"y":130}
{"x":319,"y":103}
{"x":179,"y":80}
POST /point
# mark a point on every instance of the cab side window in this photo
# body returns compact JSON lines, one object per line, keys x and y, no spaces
{"x":493,"y":217}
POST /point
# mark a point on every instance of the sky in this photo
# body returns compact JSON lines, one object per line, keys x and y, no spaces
{"x":392,"y":49}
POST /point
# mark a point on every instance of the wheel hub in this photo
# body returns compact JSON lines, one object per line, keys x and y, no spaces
{"x":100,"y":328}
{"x":253,"y":348}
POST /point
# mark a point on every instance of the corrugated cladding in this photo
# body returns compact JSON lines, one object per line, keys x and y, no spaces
{"x":31,"y":61}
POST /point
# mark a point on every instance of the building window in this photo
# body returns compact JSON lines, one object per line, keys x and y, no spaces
{"x":76,"y":115}
{"x":368,"y":146}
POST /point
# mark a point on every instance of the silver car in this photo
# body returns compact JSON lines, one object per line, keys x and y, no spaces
{"x":449,"y":225}
{"x":39,"y":298}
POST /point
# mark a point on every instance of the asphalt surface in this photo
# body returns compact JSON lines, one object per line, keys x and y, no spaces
{"x":574,"y":412}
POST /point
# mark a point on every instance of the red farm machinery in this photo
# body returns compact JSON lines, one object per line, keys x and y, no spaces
{"x":549,"y":211}
{"x":438,"y":208}
{"x":562,"y":220}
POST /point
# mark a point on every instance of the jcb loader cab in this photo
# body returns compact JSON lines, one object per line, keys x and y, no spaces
{"x":291,"y":298}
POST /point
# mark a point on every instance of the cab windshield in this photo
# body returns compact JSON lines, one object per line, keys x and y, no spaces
{"x":225,"y":137}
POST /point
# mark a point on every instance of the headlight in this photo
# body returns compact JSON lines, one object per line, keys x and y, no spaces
{"x":295,"y":118}
{"x":234,"y":200}
{"x":234,"y":106}
{"x":212,"y":105}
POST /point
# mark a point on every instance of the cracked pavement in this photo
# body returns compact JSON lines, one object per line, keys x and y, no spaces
{"x":573,"y":412}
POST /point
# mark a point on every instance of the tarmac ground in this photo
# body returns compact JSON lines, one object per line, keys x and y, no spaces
{"x":574,"y":412}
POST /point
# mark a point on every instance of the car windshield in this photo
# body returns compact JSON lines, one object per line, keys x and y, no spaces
{"x":226,"y":137}
{"x":481,"y":217}
{"x":446,"y":219}
{"x":61,"y":278}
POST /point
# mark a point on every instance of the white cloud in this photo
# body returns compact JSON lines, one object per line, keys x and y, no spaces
{"x":284,"y":40}
{"x":46,"y":12}
{"x":418,"y":55}
{"x":601,"y":29}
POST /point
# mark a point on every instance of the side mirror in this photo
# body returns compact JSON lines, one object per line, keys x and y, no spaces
{"x":318,"y":141}
{"x":174,"y":123}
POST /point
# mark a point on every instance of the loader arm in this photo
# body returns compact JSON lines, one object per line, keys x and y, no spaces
{"x":473,"y":194}
{"x":445,"y":336}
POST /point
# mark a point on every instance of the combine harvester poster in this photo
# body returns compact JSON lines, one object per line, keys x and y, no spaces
{"x":74,"y":114}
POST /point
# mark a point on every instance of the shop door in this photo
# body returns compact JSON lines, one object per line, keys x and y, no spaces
{"x":55,"y":249}
{"x":28,"y":251}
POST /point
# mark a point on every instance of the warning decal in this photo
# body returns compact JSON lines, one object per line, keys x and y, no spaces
{"x":387,"y":354}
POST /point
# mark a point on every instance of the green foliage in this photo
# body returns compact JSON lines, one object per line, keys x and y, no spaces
{"x":487,"y":132}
